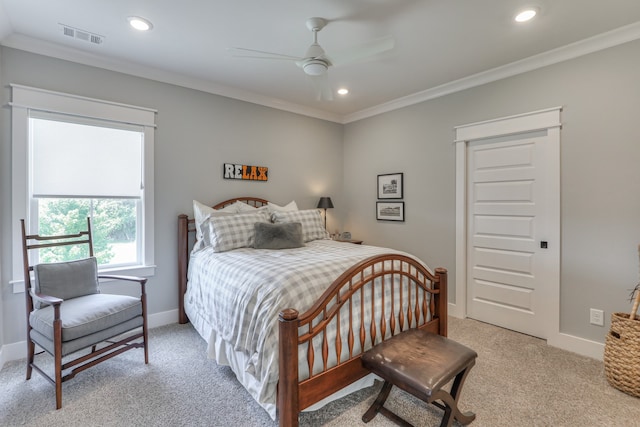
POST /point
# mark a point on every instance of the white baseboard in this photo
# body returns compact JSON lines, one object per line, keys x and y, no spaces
{"x":584,"y":347}
{"x":581,"y":346}
{"x":18,"y":350}
{"x":454,"y":310}
{"x":14,"y":351}
{"x":164,"y":318}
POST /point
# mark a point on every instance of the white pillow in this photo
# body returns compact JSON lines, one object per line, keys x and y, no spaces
{"x":311,"y":220}
{"x":292,"y":206}
{"x":244,"y":207}
{"x":201,"y":213}
{"x":235,"y":231}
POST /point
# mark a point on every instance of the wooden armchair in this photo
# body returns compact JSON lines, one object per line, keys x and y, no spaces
{"x":66,"y":312}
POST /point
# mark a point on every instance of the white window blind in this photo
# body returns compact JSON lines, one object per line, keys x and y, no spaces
{"x":71,"y":159}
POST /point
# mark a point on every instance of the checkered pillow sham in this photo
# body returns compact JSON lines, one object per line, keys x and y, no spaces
{"x":201,"y":215}
{"x":311,"y":220}
{"x":237,"y":231}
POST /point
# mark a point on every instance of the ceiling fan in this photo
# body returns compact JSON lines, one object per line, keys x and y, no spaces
{"x":316,"y":62}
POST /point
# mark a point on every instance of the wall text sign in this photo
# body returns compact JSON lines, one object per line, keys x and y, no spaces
{"x":246,"y":172}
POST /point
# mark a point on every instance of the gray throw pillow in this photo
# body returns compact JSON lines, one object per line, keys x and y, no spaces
{"x":67,"y":279}
{"x":278,"y":236}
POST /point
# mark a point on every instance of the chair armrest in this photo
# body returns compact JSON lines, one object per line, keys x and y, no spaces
{"x":46,"y":299}
{"x":141,"y":280}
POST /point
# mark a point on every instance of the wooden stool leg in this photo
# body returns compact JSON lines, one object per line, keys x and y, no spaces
{"x":377,"y":404}
{"x":451,"y":410}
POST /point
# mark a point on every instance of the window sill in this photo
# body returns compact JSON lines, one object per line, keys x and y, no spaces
{"x":136,"y":270}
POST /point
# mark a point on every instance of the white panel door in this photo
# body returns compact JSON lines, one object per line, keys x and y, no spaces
{"x":508,"y":224}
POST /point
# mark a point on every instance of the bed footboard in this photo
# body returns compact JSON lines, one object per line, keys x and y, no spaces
{"x":372,"y":301}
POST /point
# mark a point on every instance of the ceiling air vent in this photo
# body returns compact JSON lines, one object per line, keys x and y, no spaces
{"x":79,"y":34}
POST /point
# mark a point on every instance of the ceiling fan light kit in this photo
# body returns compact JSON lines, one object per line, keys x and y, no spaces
{"x":315,"y":67}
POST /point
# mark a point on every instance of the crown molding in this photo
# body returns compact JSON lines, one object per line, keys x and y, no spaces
{"x":41,"y":47}
{"x":584,"y":47}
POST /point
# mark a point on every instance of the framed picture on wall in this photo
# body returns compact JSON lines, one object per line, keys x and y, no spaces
{"x":390,"y":186}
{"x":390,"y":211}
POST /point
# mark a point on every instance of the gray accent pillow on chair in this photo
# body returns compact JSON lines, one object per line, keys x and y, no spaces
{"x":278,"y":236}
{"x":67,"y":279}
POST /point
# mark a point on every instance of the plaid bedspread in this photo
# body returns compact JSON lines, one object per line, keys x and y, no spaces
{"x":241,"y":292}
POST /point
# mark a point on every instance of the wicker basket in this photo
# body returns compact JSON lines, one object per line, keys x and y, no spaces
{"x":622,"y":352}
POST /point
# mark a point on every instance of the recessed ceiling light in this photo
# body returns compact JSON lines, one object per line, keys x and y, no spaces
{"x":140,"y":24}
{"x":526,"y":15}
{"x":343,"y":91}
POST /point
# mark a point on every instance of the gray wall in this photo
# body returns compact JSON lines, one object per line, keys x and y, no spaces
{"x":3,"y":188}
{"x":197,"y":132}
{"x":600,"y":174}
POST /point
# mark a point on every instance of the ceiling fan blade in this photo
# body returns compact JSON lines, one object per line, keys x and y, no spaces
{"x":243,"y":52}
{"x":363,"y":51}
{"x":322,"y":87}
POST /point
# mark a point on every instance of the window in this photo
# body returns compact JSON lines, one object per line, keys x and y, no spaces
{"x":75,"y":158}
{"x":81,"y":169}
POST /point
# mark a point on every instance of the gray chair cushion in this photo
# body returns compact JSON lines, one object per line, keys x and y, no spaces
{"x":86,"y":315}
{"x":66,"y":279}
{"x":69,"y":347}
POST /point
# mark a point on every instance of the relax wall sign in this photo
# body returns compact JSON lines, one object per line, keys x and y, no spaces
{"x":245,"y":172}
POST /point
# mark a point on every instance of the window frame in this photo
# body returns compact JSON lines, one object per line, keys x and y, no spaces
{"x":25,"y":99}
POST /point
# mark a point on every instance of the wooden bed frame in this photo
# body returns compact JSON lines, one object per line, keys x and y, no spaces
{"x":427,"y":312}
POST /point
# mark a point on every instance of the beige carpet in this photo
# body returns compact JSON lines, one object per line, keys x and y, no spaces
{"x":517,"y":381}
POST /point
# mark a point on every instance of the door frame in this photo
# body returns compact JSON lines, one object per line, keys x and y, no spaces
{"x":541,"y":120}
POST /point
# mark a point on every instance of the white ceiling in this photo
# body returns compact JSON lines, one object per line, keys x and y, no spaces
{"x":441,"y":45}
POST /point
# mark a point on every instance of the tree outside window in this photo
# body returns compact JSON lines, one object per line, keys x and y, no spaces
{"x":113,"y":228}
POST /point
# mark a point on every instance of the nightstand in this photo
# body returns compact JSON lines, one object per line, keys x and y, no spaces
{"x":355,"y":242}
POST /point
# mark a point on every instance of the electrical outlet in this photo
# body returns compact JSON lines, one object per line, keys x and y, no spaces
{"x":596,"y":317}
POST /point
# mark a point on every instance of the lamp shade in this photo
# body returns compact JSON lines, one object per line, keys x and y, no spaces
{"x":325,"y":203}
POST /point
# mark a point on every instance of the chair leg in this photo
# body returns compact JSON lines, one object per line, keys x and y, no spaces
{"x":451,"y":410}
{"x":145,"y":330}
{"x":145,"y":337}
{"x":31,"y":350}
{"x":377,"y":404}
{"x":57,"y":356}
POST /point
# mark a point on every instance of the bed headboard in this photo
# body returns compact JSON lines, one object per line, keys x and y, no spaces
{"x":186,"y":226}
{"x":252,"y":201}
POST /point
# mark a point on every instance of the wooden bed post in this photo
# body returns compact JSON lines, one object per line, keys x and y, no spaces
{"x":442,"y":300}
{"x":288,"y":407}
{"x":183,"y":241}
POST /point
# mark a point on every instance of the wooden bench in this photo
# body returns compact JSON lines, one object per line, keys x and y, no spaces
{"x":421,"y":363}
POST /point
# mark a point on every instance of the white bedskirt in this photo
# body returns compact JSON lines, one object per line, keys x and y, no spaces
{"x":224,"y":355}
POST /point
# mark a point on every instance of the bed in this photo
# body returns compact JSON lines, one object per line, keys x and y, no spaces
{"x":292,"y":322}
